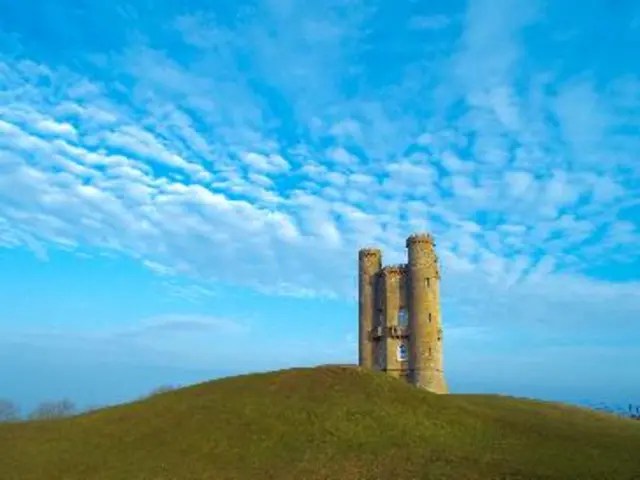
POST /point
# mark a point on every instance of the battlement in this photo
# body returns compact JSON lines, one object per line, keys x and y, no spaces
{"x":369,"y":252}
{"x":423,"y":238}
{"x":394,"y":270}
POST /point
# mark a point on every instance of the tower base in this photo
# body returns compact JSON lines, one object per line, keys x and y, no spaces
{"x":434,"y":384}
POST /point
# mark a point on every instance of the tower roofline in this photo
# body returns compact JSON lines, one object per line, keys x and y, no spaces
{"x":397,"y":268}
{"x":365,"y":252}
{"x":420,"y":238}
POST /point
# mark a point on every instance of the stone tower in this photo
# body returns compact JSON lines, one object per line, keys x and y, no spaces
{"x":400,"y":328}
{"x":369,"y":265}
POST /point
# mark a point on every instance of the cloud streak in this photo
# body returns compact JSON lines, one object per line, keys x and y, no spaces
{"x":265,"y":162}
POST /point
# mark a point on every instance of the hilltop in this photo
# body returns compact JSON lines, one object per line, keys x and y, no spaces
{"x":330,"y":422}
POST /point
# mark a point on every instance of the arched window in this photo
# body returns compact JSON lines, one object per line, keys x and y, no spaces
{"x":403,"y":318}
{"x":402,"y":353}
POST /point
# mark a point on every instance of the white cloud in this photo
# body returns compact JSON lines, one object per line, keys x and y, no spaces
{"x":173,"y":324}
{"x":342,"y":156}
{"x":63,"y":129}
{"x":266,"y":163}
{"x":196,"y":177}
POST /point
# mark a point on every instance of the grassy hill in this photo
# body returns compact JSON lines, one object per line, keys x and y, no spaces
{"x":323,"y":423}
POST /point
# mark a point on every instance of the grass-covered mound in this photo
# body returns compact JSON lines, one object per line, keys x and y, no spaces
{"x":323,"y":423}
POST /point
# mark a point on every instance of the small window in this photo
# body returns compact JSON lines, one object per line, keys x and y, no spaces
{"x":429,"y":317}
{"x":402,"y":353}
{"x":427,"y":283}
{"x":403,"y":318}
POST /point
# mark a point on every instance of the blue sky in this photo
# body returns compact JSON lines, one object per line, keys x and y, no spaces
{"x":183,"y":189}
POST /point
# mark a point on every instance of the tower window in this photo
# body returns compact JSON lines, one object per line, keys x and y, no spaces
{"x":427,"y":283}
{"x":403,"y":318}
{"x":429,"y":317}
{"x":402,"y":353}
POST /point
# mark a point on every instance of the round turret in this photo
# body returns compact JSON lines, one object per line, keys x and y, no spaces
{"x":421,"y":251}
{"x":369,"y":265}
{"x":423,"y":299}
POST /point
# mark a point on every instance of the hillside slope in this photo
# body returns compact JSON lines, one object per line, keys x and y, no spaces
{"x":323,"y":423}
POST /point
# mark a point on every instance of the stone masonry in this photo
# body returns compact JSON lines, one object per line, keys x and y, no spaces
{"x":400,"y":329}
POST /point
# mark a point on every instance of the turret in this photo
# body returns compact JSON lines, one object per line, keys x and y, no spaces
{"x":425,"y":327}
{"x":369,"y":265}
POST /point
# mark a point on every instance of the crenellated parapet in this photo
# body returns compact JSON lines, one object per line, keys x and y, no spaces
{"x":369,"y":253}
{"x":421,"y":238}
{"x":397,"y":270}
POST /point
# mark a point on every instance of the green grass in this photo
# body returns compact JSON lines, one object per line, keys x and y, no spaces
{"x":323,"y":423}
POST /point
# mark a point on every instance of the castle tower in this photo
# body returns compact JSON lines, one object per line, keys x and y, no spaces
{"x":369,"y":265}
{"x":423,"y":299}
{"x":394,"y":334}
{"x":400,"y":329}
